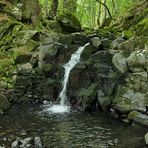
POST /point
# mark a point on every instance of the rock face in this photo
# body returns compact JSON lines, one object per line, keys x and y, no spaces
{"x":105,"y":79}
{"x":120,"y":62}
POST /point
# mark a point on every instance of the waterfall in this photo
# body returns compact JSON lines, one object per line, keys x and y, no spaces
{"x":75,"y":58}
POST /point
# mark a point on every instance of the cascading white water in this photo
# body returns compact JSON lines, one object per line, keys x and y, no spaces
{"x":75,"y":58}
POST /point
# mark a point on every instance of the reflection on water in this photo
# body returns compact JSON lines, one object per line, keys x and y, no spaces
{"x":74,"y":130}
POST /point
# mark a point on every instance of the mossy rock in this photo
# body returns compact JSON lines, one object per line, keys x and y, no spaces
{"x":132,"y":115}
{"x":4,"y":103}
{"x":69,"y":23}
{"x":6,"y":27}
{"x":23,"y":36}
{"x":122,"y":101}
{"x":52,"y":25}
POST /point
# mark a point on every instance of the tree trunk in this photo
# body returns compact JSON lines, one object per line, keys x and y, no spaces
{"x":54,"y":7}
{"x":46,"y":8}
{"x":99,"y":14}
{"x":114,"y":7}
{"x":102,"y":14}
{"x":31,"y":11}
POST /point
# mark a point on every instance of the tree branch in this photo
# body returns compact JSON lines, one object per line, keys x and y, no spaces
{"x":106,"y":8}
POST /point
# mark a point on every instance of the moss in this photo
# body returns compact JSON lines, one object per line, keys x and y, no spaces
{"x":16,"y":29}
{"x":128,"y":33}
{"x":132,"y":115}
{"x":69,"y":23}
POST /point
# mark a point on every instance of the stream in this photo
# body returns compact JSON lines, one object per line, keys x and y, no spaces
{"x":68,"y":130}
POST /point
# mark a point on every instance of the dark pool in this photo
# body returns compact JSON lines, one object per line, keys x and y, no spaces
{"x":73,"y":130}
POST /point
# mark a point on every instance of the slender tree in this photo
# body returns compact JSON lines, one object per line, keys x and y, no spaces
{"x":102,"y":15}
{"x":54,"y":7}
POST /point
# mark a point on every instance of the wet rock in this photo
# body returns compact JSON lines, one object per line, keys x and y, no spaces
{"x":69,"y":23}
{"x":120,"y":62}
{"x":146,"y":138}
{"x":78,"y":77}
{"x":96,"y":43}
{"x":141,"y":119}
{"x":4,"y":103}
{"x":49,"y":53}
{"x":2,"y":147}
{"x":137,"y":61}
{"x":104,"y":101}
{"x":79,"y":38}
{"x":37,"y":142}
{"x":21,"y":143}
{"x":88,"y":96}
{"x":14,"y":144}
{"x":106,"y":42}
{"x":116,"y":43}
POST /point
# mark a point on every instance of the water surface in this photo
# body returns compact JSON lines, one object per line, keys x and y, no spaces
{"x":73,"y":130}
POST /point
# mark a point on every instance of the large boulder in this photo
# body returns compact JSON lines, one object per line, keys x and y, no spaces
{"x":119,"y":62}
{"x":116,"y":43}
{"x":96,"y":43}
{"x":69,"y":23}
{"x":88,"y":97}
{"x":48,"y":53}
{"x":137,"y":61}
{"x":4,"y":103}
{"x":104,"y":101}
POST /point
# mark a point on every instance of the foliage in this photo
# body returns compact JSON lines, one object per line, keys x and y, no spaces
{"x":87,"y":10}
